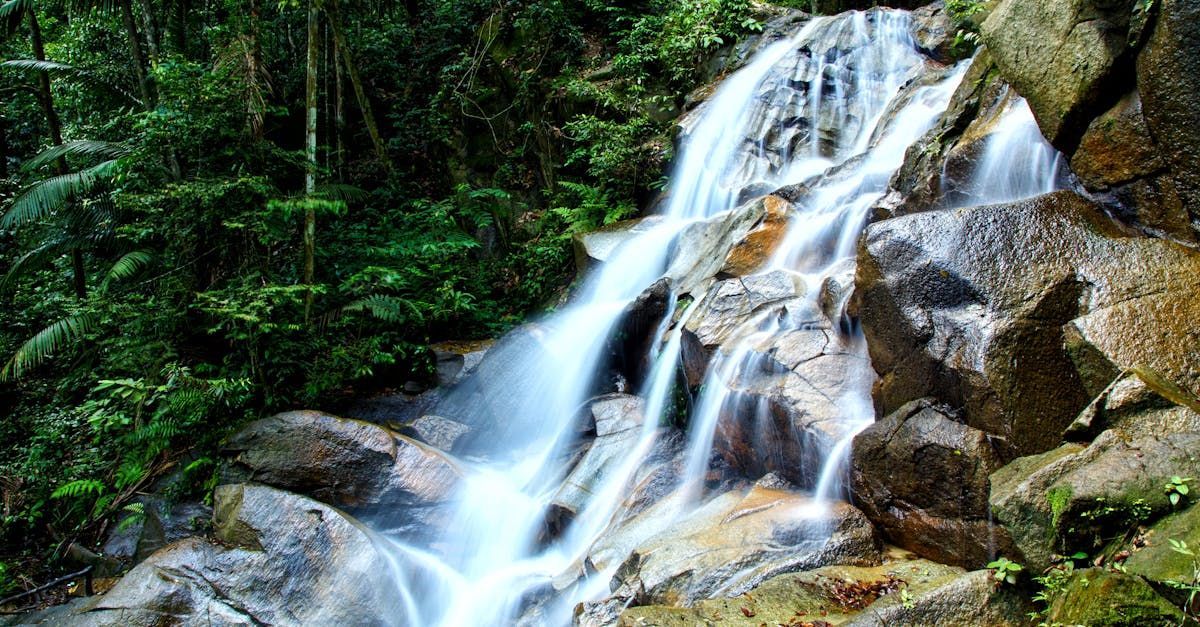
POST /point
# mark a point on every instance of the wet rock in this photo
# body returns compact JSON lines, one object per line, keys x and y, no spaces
{"x":700,"y":249}
{"x":922,"y":477}
{"x":618,"y":422}
{"x":1137,"y":403}
{"x":1156,"y":560}
{"x":636,"y":331}
{"x":736,"y":541}
{"x":1168,"y":79}
{"x":971,"y":599}
{"x":346,"y":463}
{"x":756,"y":248}
{"x":934,"y":31}
{"x":833,"y":594}
{"x":1062,"y":57}
{"x":1096,"y":597}
{"x":455,"y":360}
{"x":594,"y":247}
{"x":968,"y":307}
{"x":283,"y":559}
{"x":1059,"y":502}
{"x":436,"y":431}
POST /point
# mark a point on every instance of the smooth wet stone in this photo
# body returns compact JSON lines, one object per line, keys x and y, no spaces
{"x":922,"y":477}
{"x":1099,"y":598}
{"x":968,"y":306}
{"x":595,"y":247}
{"x":760,"y":243}
{"x":437,"y":431}
{"x":347,"y":463}
{"x":736,"y":541}
{"x":283,"y":559}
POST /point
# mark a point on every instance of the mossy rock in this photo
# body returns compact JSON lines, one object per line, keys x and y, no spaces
{"x":1099,"y":598}
{"x":1158,"y":562}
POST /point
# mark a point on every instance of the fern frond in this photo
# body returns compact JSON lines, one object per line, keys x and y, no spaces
{"x":39,"y":66}
{"x":31,"y":260}
{"x":340,"y":191}
{"x":44,"y":197}
{"x":39,"y":348}
{"x":77,"y":488}
{"x":128,"y":265}
{"x":76,"y":74}
{"x":78,"y":148}
{"x":386,"y":308}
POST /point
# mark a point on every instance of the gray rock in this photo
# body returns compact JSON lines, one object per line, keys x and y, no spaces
{"x":970,"y":600}
{"x":283,"y":560}
{"x":436,"y":431}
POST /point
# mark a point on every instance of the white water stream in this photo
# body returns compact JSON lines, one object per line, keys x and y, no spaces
{"x":833,"y":106}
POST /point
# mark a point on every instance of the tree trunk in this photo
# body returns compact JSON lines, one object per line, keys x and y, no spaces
{"x":151,"y":27}
{"x":364,"y":104}
{"x":179,"y":28}
{"x":339,"y":114}
{"x":46,"y":99}
{"x":310,"y":153}
{"x":135,"y":53}
{"x":3,"y":148}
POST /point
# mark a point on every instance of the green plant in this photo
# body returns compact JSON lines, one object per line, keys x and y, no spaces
{"x":1005,"y":570}
{"x":1177,"y":489}
{"x":906,"y":599}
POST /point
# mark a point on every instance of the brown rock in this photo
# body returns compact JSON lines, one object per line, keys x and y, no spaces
{"x":756,"y":248}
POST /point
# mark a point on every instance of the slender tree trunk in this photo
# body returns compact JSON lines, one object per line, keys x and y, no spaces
{"x":310,"y":151}
{"x":3,"y":148}
{"x":46,"y":98}
{"x":180,"y":26}
{"x":150,"y":25}
{"x":364,"y":104}
{"x":339,"y":114}
{"x":135,"y":53}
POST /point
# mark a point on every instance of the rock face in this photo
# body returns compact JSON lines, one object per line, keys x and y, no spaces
{"x":347,"y":463}
{"x":594,"y":247}
{"x":735,"y":542}
{"x":326,"y":569}
{"x":972,"y":599}
{"x":748,"y":255}
{"x":922,"y":477}
{"x":1060,"y":55}
{"x":968,"y":307}
{"x":1157,"y":562}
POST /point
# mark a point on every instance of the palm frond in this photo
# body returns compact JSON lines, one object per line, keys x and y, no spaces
{"x":13,"y":10}
{"x":47,"y":196}
{"x":39,"y":348}
{"x":77,"y":74}
{"x":39,"y":66}
{"x":78,"y":148}
{"x":31,"y":260}
{"x":128,"y":265}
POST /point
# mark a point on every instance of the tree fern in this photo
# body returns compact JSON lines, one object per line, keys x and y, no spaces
{"x":49,"y":195}
{"x":35,"y":351}
{"x":77,"y":488}
{"x":79,"y":148}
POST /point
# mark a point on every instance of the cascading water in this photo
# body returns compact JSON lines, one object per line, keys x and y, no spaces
{"x":829,"y":110}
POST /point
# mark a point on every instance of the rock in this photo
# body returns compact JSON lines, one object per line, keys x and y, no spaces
{"x":934,"y":31}
{"x":1062,"y":56}
{"x":1157,"y":562}
{"x":968,"y":307}
{"x":284,"y":560}
{"x":1137,"y":403}
{"x":922,"y":477}
{"x":637,"y":330}
{"x":436,"y":431}
{"x":832,"y":593}
{"x":1098,"y":598}
{"x":756,"y":248}
{"x":618,"y":422}
{"x":347,"y":463}
{"x":700,"y":249}
{"x":1168,"y":80}
{"x":455,"y":360}
{"x":594,"y":247}
{"x":734,"y":542}
{"x":1065,"y":500}
{"x":1151,"y":332}
{"x":971,"y":599}
{"x":163,"y":522}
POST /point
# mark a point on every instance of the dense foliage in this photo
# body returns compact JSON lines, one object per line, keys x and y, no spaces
{"x":158,"y":280}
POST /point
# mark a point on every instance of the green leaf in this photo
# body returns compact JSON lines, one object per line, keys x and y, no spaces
{"x":1182,"y":488}
{"x":1174,"y":498}
{"x":47,"y":196}
{"x":48,"y":341}
{"x":128,"y":265}
{"x":79,"y":148}
{"x":80,"y":487}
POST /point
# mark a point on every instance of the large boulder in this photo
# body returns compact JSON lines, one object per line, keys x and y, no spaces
{"x":733,"y":543}
{"x":1062,"y":56}
{"x":1071,"y":498}
{"x":922,"y":477}
{"x":968,"y":307}
{"x":1158,"y":561}
{"x":356,"y":465}
{"x":283,"y":559}
{"x":972,"y":599}
{"x":1099,"y":598}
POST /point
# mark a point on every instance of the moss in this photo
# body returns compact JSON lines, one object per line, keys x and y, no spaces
{"x":1058,"y":498}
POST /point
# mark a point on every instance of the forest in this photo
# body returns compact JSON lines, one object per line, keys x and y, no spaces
{"x":216,"y":210}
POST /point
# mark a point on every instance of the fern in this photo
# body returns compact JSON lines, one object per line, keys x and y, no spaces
{"x":387,"y":308}
{"x":78,"y":488}
{"x":136,"y":513}
{"x":35,"y":351}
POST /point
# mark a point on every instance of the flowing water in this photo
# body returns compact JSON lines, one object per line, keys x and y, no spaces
{"x":829,"y":110}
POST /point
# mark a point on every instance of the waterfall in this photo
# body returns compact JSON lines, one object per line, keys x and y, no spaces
{"x":828,"y":111}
